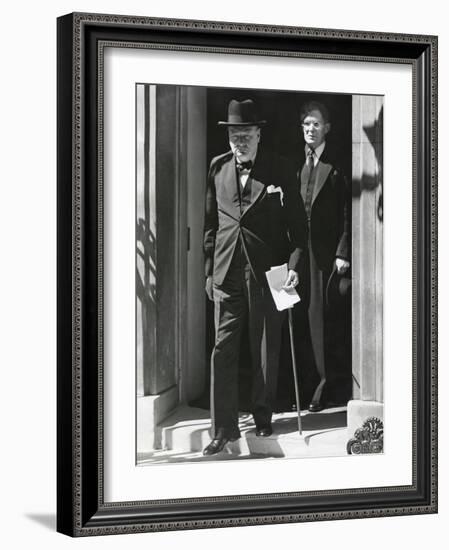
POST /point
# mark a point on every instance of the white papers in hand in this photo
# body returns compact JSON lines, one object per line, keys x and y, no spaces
{"x":276,"y":278}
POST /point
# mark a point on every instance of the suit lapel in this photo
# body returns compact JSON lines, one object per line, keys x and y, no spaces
{"x":257,"y":175}
{"x":257,"y":188}
{"x":228,"y":173}
{"x":323,"y":169}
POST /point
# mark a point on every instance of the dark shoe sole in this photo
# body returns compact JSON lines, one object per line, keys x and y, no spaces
{"x":264,"y":432}
{"x":315,"y":407}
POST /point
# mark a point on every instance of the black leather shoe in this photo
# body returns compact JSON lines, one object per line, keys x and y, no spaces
{"x":215,"y":446}
{"x":264,"y":431}
{"x":315,"y":407}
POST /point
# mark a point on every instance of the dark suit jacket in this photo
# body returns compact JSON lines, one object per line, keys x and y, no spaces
{"x":330,"y":213}
{"x":272,"y":233}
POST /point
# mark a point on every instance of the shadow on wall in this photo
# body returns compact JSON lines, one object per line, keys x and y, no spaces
{"x":146,"y":288}
{"x":370,"y":182}
{"x":46,"y":520}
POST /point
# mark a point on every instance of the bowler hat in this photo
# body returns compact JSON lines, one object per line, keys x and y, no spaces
{"x":338,"y":287}
{"x":242,"y":113}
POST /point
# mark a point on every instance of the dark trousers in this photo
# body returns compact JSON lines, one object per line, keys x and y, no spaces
{"x":316,"y":314}
{"x":323,"y":338}
{"x":240,"y":300}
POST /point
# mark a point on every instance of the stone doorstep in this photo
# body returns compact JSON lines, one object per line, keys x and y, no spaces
{"x":186,"y":432}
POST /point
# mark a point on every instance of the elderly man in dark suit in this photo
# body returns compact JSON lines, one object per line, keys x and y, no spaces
{"x":325,"y":194}
{"x":254,"y":220}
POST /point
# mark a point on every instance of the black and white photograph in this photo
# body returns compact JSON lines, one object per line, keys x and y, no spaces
{"x":259,"y":274}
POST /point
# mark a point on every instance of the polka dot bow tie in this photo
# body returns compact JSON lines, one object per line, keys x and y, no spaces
{"x":244,"y":165}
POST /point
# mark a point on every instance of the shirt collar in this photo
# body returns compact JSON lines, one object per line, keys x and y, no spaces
{"x":318,"y":151}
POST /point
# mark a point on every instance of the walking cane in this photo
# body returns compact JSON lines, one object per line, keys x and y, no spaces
{"x":295,"y":374}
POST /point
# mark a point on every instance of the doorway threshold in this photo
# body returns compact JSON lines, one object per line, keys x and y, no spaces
{"x":186,"y":432}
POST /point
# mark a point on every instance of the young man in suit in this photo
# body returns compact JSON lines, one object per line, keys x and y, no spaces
{"x":325,"y":194}
{"x":254,"y":220}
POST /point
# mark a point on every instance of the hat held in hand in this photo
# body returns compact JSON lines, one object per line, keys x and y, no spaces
{"x":338,"y":288}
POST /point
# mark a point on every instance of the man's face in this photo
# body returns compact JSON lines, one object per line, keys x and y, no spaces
{"x":315,"y":129}
{"x":244,"y":141}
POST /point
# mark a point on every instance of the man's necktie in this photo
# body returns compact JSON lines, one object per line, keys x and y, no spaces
{"x":310,"y":159}
{"x":309,"y":191}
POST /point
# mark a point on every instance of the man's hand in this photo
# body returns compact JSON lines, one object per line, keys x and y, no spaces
{"x":209,"y":288}
{"x":341,"y":265}
{"x":292,"y":280}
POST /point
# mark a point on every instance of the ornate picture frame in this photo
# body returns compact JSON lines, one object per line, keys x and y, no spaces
{"x":82,"y":507}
